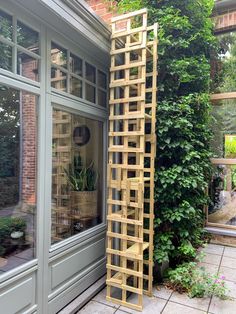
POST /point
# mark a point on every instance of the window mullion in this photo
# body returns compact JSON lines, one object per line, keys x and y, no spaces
{"x":68,"y":73}
{"x":14,"y":49}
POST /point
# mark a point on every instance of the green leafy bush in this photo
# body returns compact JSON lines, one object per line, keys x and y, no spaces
{"x":7,"y":226}
{"x":183,"y":168}
{"x":188,"y":277}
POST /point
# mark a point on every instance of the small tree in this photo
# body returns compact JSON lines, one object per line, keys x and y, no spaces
{"x":182,"y":163}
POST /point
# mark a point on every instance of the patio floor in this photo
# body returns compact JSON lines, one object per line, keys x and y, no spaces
{"x":219,"y":258}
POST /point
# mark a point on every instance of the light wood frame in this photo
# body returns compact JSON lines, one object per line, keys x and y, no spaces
{"x":131,"y":156}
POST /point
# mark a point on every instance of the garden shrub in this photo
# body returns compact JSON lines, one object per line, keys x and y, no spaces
{"x":182,"y":164}
{"x":7,"y":226}
{"x":189,"y":278}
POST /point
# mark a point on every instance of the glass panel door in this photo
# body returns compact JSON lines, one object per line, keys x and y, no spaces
{"x":18,"y":169}
{"x":77,"y":168}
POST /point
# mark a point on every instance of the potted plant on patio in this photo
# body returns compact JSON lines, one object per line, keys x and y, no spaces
{"x":83,"y":183}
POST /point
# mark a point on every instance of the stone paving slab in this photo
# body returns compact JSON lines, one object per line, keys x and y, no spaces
{"x":101,"y":297}
{"x":213,"y":249}
{"x":212,"y":269}
{"x":222,"y":307}
{"x":165,"y":301}
{"x":161,"y":292}
{"x":151,"y":305}
{"x":94,"y":307}
{"x":228,"y":262}
{"x":174,"y":308}
{"x":230,"y":252}
{"x":198,"y":303}
{"x":212,"y":259}
{"x":228,"y":273}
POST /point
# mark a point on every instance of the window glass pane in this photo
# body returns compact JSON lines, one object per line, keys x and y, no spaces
{"x":76,"y":65}
{"x":90,"y":93}
{"x":59,"y":55}
{"x":77,"y":174}
{"x":102,"y":98}
{"x":102,"y":79}
{"x":6,"y":27}
{"x":27,"y":37}
{"x":5,"y":57}
{"x":27,"y":66}
{"x":58,"y":79}
{"x":223,"y":142}
{"x":224,"y":64}
{"x":76,"y":87}
{"x":222,"y":207}
{"x":18,"y":169}
{"x":90,"y":72}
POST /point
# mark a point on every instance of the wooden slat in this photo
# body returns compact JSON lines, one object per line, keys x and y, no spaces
{"x":127,"y":176}
{"x":128,"y":15}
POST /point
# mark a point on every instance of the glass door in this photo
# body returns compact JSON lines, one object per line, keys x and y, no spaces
{"x":77,"y":174}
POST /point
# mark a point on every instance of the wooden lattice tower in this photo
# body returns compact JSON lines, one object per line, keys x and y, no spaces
{"x":131,"y":154}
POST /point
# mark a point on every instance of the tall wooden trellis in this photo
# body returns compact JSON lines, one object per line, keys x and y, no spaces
{"x":131,"y":155}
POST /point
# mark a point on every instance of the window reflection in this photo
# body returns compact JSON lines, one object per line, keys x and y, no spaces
{"x":90,"y":93}
{"x":27,"y":37}
{"x":58,"y":79}
{"x":27,"y":66}
{"x":102,"y":98}
{"x":224,"y":64}
{"x":222,"y":193}
{"x":58,"y":55}
{"x":76,"y":65}
{"x":102,"y":80}
{"x":90,"y":73}
{"x":6,"y":57}
{"x":77,"y":174}
{"x":6,"y":28}
{"x":224,"y":128}
{"x":76,"y":87}
{"x":18,"y":160}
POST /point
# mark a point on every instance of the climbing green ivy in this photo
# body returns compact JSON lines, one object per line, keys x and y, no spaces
{"x":182,"y":165}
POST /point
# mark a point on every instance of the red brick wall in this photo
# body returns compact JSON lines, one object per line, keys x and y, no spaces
{"x":29,"y":153}
{"x":103,"y":9}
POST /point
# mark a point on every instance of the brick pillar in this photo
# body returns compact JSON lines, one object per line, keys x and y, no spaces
{"x":29,"y":148}
{"x":29,"y":69}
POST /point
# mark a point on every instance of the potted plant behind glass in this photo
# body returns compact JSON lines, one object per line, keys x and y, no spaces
{"x":83,"y":183}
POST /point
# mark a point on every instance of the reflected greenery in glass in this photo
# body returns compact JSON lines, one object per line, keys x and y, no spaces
{"x":27,"y":37}
{"x":6,"y":28}
{"x":5,"y":57}
{"x":223,"y":124}
{"x":224,"y":64}
{"x":58,"y":55}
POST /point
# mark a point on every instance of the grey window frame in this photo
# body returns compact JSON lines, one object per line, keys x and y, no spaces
{"x":85,"y":57}
{"x":26,"y":20}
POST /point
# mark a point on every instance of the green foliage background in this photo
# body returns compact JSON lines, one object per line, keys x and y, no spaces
{"x":182,"y":164}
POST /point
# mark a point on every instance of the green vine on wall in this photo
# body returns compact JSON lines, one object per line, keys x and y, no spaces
{"x":183,"y":117}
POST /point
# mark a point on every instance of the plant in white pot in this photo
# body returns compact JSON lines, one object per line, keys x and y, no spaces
{"x":83,"y":184}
